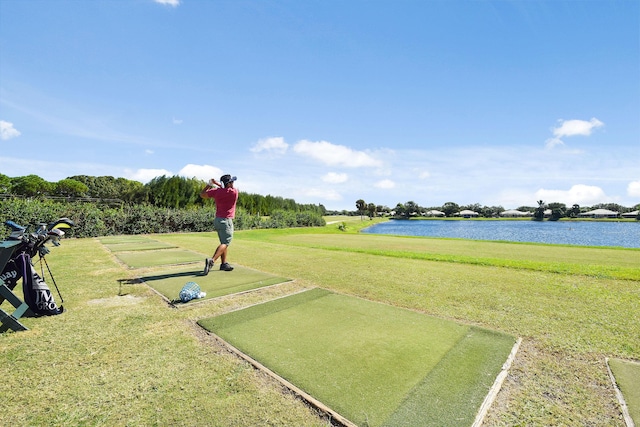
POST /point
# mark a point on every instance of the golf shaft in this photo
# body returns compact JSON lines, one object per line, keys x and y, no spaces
{"x":52,"y":279}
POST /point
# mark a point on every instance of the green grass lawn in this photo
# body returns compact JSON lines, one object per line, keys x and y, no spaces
{"x":138,"y":246}
{"x":374,"y":364}
{"x":124,"y":238}
{"x":154,"y":258}
{"x":120,"y":356}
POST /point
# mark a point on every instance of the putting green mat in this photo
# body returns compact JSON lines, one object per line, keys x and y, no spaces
{"x":154,"y":258}
{"x":217,"y":283}
{"x":375,"y":364}
{"x":627,"y":376}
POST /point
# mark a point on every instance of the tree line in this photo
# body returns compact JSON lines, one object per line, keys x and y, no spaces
{"x":450,"y":209}
{"x":175,"y":192}
{"x":97,"y":219}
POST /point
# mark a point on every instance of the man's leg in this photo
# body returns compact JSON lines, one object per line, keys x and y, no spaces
{"x":221,"y":252}
{"x":224,"y":226}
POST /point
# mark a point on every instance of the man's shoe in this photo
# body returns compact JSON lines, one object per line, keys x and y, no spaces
{"x":208,"y":263}
{"x":225,"y":267}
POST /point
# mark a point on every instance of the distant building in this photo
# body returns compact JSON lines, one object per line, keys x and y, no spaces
{"x":513,"y":213}
{"x":633,"y":214}
{"x":434,"y":212}
{"x":467,"y":213}
{"x":599,"y":213}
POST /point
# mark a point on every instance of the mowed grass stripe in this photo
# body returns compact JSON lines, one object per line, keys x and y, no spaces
{"x":619,"y":263}
{"x":360,"y":358}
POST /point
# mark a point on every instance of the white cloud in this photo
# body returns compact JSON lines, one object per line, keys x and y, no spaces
{"x":146,"y":175}
{"x":385,"y":184}
{"x":633,"y":189}
{"x":335,"y":155}
{"x":424,"y":174}
{"x":203,"y":172}
{"x":335,"y":178}
{"x":173,"y":3}
{"x":177,"y":121}
{"x":572,"y":128}
{"x":273,"y":145}
{"x":576,"y":127}
{"x":578,"y":194}
{"x":7,"y":131}
{"x":148,"y":152}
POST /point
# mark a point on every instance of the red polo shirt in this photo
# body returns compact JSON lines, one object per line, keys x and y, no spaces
{"x":226,"y":199}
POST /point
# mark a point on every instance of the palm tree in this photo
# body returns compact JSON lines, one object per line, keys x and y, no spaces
{"x":538,"y":215}
{"x":361,"y":206}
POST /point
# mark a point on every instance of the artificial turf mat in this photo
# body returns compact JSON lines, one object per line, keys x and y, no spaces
{"x":154,"y":258}
{"x":216,"y":283}
{"x":627,"y":376}
{"x":375,"y":364}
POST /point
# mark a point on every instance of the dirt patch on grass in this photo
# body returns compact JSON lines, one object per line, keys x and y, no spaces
{"x":547,"y":386}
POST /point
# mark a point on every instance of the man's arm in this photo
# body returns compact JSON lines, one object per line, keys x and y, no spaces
{"x":211,"y":184}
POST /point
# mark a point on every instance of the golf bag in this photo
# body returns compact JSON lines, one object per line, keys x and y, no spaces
{"x":37,"y":294}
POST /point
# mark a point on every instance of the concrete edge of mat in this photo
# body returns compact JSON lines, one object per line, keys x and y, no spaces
{"x":497,"y":385}
{"x":623,"y":404}
{"x":335,"y":418}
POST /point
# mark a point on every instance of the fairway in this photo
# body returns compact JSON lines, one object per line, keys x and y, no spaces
{"x":374,"y":364}
{"x":217,"y":283}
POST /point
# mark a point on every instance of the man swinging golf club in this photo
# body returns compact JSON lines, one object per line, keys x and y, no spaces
{"x":225,"y":197}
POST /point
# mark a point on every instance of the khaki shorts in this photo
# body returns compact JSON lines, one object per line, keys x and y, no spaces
{"x":224,"y":227}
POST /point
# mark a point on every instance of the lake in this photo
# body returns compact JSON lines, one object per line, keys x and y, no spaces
{"x":587,"y":233}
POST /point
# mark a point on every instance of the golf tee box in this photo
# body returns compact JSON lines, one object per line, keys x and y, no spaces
{"x":169,"y":281}
{"x":167,"y":268}
{"x":371,"y":363}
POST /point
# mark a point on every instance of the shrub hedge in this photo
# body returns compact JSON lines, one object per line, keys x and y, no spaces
{"x":94,"y":219}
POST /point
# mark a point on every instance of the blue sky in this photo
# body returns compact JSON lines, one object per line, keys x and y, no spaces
{"x":327,"y":101}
